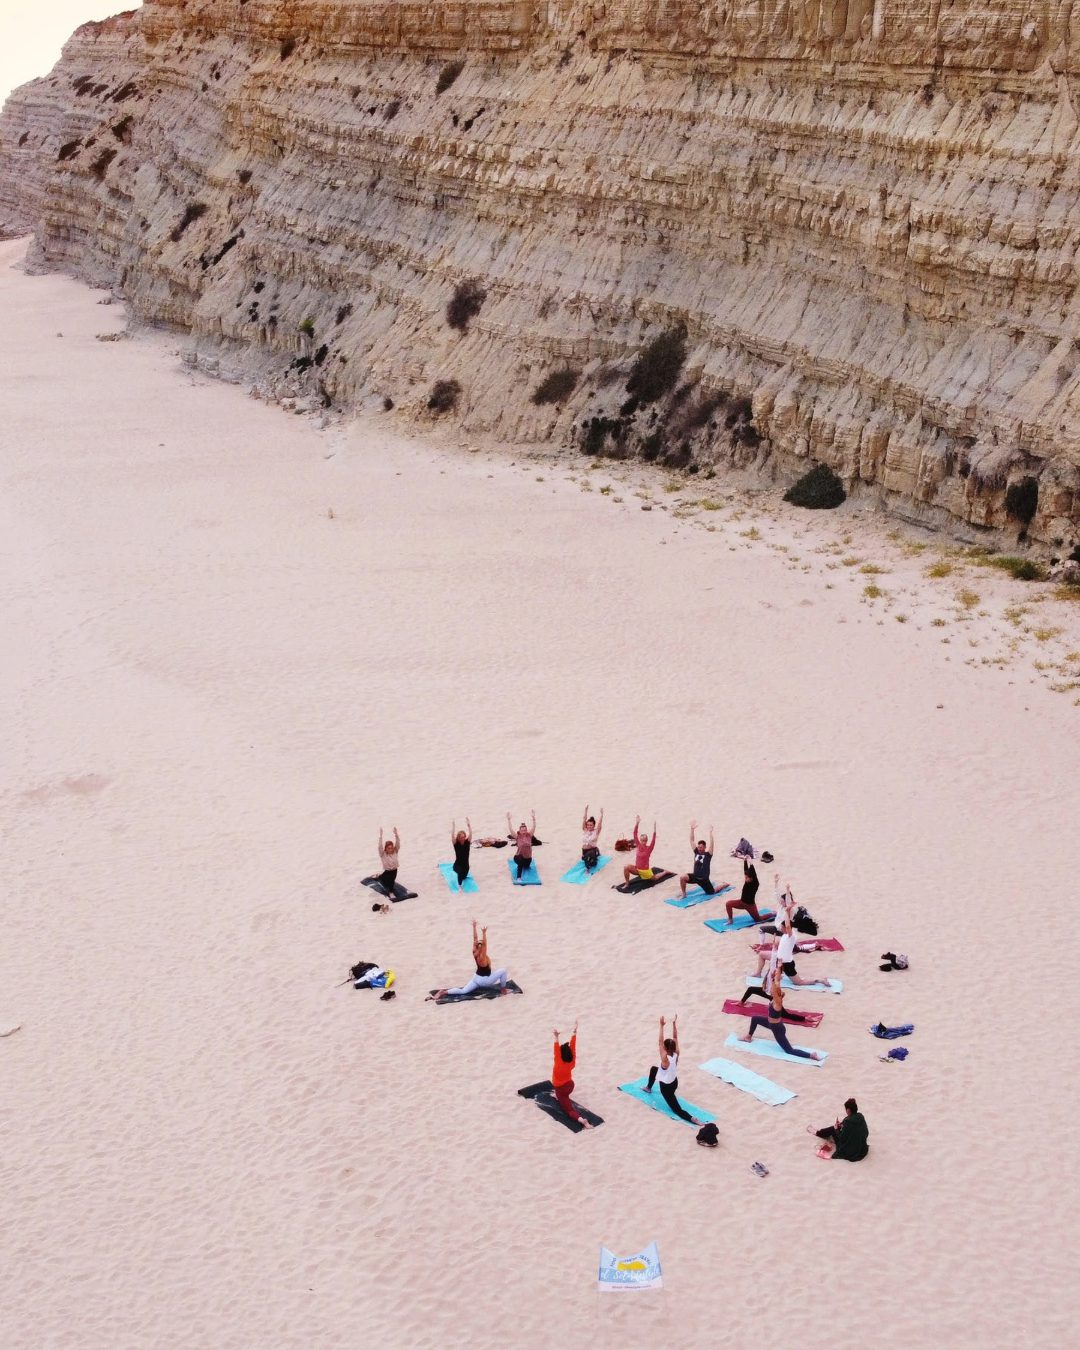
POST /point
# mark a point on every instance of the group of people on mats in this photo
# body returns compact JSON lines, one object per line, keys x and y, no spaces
{"x":847,"y":1139}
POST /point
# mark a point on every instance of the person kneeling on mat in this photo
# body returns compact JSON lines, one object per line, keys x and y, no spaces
{"x":590,"y":839}
{"x":748,"y":899}
{"x":388,"y":857}
{"x":462,"y":842}
{"x":523,"y":838}
{"x":484,"y":977}
{"x":667,"y":1072}
{"x":562,"y":1076}
{"x":643,"y":855}
{"x":848,"y":1138}
{"x":699,"y":873}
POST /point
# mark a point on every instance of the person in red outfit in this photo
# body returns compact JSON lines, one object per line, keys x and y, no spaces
{"x":562,"y":1076}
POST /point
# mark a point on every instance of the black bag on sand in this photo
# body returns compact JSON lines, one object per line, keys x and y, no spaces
{"x":802,"y":921}
{"x":709,"y":1135}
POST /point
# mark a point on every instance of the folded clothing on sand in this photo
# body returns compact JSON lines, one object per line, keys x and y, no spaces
{"x":739,"y":1076}
{"x":891,"y":1033}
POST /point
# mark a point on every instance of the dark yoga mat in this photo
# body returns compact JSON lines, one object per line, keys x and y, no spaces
{"x":632,"y":887}
{"x":478,"y":993}
{"x":400,"y":893}
{"x":543,"y":1094}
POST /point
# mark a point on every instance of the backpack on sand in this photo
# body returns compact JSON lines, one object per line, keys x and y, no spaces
{"x":709,"y":1135}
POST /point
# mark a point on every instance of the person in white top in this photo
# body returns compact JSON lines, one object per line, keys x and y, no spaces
{"x":667,"y":1072}
{"x":590,"y":838}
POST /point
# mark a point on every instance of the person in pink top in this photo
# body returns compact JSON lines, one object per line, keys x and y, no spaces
{"x":642,"y":858}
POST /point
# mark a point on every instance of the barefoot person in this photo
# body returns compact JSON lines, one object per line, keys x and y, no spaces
{"x":562,"y":1076}
{"x":666,"y":1074}
{"x":524,"y":839}
{"x":848,"y":1139}
{"x":699,"y":873}
{"x":775,"y":1024}
{"x":781,"y":957}
{"x":388,"y":857}
{"x":484,"y":977}
{"x":643,"y":855}
{"x":748,"y":899}
{"x":462,"y":842}
{"x":590,"y":839}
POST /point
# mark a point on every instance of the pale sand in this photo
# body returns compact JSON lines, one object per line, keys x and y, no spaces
{"x":213,"y":694}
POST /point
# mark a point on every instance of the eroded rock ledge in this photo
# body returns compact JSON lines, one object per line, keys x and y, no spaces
{"x":856,"y":223}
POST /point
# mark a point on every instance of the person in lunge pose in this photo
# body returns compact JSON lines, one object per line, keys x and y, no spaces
{"x":644,"y":850}
{"x":590,"y":839}
{"x":667,"y":1072}
{"x":562,"y":1076}
{"x":484,"y":978}
{"x":748,"y":899}
{"x":699,"y":873}
{"x":775,"y":1024}
{"x":462,"y":842}
{"x":523,"y":838}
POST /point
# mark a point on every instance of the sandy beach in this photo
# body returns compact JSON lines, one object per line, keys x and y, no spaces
{"x":236,"y":644}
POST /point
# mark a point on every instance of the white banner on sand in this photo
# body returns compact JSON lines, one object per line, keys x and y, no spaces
{"x":641,"y":1271}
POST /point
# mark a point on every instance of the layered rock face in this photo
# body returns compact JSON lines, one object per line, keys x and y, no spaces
{"x":843,"y":231}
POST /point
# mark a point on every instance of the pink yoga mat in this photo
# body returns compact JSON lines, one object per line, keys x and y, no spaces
{"x":758,"y":1008}
{"x":802,"y":948}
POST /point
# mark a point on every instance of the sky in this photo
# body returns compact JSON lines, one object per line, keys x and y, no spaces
{"x":33,"y":31}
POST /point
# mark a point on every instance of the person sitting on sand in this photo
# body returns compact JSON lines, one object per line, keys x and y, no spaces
{"x":523,"y":838}
{"x":644,"y":851}
{"x":388,"y":856}
{"x":562,"y":1076}
{"x":848,"y":1139}
{"x":748,"y":899}
{"x":775,"y":1024}
{"x":462,"y":842}
{"x":484,"y":977}
{"x":667,"y":1072}
{"x":590,"y":839}
{"x":699,"y":873}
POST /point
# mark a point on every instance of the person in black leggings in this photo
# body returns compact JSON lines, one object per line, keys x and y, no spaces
{"x":462,"y":842}
{"x":667,"y":1072}
{"x":775,"y":1024}
{"x":748,"y":899}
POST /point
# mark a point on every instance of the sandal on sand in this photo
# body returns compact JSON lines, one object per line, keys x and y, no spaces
{"x":759,"y":1169}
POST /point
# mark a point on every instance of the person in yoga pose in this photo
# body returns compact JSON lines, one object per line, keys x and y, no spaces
{"x":782,"y":956}
{"x":462,"y":842}
{"x":388,"y":856}
{"x":748,"y":899}
{"x":484,"y":978}
{"x":775,"y":1024}
{"x":848,"y":1138}
{"x":667,"y":1071}
{"x":699,"y":873}
{"x":562,"y":1076}
{"x":770,"y":980}
{"x":590,"y":839}
{"x":644,"y":850}
{"x":523,"y":838}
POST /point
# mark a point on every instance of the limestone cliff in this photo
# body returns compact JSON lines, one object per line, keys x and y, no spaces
{"x":842,"y":230}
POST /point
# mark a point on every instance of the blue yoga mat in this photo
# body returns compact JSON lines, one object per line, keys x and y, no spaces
{"x":769,"y":1048}
{"x":739,"y":921}
{"x":636,"y":1089}
{"x":447,"y":869}
{"x":578,"y":876}
{"x":831,"y":987}
{"x":772,"y":1094}
{"x":530,"y":877}
{"x":696,"y":897}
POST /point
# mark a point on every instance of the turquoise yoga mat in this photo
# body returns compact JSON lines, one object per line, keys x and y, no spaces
{"x":767,"y":1047}
{"x":636,"y":1089}
{"x":739,"y":1076}
{"x":530,"y":877}
{"x":447,"y":869}
{"x":696,"y":897}
{"x":822,"y":986}
{"x":739,"y":921}
{"x":578,"y":876}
